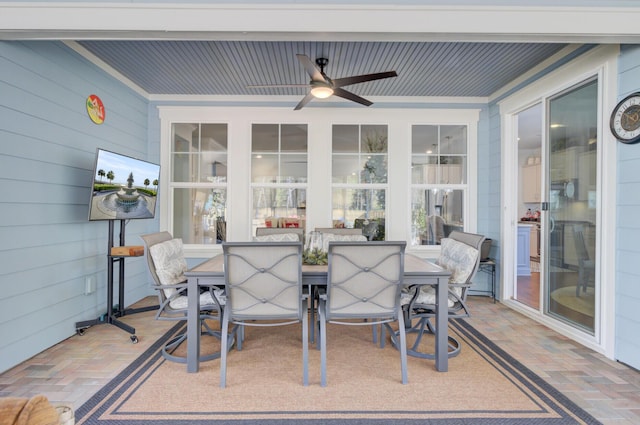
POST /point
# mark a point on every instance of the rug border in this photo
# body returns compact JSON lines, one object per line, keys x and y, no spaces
{"x":85,"y":415}
{"x":558,"y":397}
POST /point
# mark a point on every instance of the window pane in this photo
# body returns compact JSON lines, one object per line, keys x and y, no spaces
{"x":423,"y":169}
{"x":294,"y":138}
{"x":265,"y":138}
{"x":345,"y":138}
{"x":213,"y":168}
{"x":346,"y":168}
{"x":285,"y":164}
{"x":184,"y":135}
{"x":279,"y":207}
{"x":199,"y":156}
{"x":434,"y":214}
{"x":453,"y":139}
{"x":374,"y":169}
{"x":213,"y":158}
{"x":199,"y":215}
{"x":213,"y":137}
{"x":424,"y":139}
{"x":181,"y":167}
{"x":374,"y":139}
{"x":452,"y":169}
{"x":293,"y":168}
{"x":360,"y":208}
{"x":264,"y":168}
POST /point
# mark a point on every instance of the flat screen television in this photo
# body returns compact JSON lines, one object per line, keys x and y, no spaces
{"x":123,"y":187}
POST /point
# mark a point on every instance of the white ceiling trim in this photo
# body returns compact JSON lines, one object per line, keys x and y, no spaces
{"x":317,"y":22}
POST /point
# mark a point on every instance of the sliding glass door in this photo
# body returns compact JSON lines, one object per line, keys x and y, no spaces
{"x":571,"y":225}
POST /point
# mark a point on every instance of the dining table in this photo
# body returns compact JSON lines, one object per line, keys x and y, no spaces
{"x":417,"y":271}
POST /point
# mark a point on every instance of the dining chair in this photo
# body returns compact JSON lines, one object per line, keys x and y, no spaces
{"x":263,"y":283}
{"x":460,"y":254}
{"x":586,"y":266}
{"x":364,"y":280}
{"x":330,"y":234}
{"x":166,"y":262}
{"x":267,"y":231}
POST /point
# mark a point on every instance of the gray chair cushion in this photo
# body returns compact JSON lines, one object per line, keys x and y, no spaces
{"x":170,"y":265}
{"x":457,"y":257}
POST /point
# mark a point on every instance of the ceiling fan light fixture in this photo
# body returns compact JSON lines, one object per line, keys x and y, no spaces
{"x":321,"y":92}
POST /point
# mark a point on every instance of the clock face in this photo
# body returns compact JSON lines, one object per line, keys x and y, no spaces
{"x":625,"y":119}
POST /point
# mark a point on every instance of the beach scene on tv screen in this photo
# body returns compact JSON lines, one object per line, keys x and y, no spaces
{"x":123,"y":188}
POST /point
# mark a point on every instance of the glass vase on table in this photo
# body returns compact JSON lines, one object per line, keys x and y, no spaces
{"x":313,"y":251}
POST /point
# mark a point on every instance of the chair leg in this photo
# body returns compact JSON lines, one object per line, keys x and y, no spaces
{"x":323,"y":347}
{"x":421,"y":328}
{"x":581,"y":283}
{"x":312,"y":309}
{"x":403,"y":349}
{"x":171,"y":345}
{"x":305,"y":346}
{"x":224,"y":349}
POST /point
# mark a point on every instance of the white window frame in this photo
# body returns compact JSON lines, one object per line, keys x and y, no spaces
{"x":444,"y":186}
{"x":360,"y":185}
{"x":320,"y":121}
{"x":279,"y":152}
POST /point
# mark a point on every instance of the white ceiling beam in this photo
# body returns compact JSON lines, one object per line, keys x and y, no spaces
{"x":331,"y":22}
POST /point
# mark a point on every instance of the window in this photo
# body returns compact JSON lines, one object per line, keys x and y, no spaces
{"x":198,"y":182}
{"x":227,"y":171}
{"x":359,"y":176}
{"x":438,"y":181}
{"x":279,"y":175}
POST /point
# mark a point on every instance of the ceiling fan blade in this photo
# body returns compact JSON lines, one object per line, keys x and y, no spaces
{"x":340,"y":82}
{"x":311,"y":69}
{"x":350,"y":96}
{"x":303,"y":102}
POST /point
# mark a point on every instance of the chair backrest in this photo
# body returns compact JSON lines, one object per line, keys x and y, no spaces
{"x":264,"y":231}
{"x":460,"y":254}
{"x":339,"y":237}
{"x":149,"y":241}
{"x":263,"y":280}
{"x":167,"y":264}
{"x":364,"y":279}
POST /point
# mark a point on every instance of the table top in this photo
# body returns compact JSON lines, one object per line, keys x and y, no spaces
{"x":413,"y":266}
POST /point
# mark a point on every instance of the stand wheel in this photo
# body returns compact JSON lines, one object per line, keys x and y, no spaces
{"x":80,"y":331}
{"x":134,"y":339}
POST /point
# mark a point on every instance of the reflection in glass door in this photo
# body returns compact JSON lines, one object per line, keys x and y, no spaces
{"x":529,"y":254}
{"x":571,"y":230}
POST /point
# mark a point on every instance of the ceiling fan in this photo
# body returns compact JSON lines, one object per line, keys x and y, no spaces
{"x":322,"y":86}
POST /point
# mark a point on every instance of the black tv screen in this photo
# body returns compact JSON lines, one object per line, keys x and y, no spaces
{"x":123,"y":187}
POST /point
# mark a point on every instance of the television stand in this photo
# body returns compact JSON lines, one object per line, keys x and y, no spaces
{"x":116,"y":254}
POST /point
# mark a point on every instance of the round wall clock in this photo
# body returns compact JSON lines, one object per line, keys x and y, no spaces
{"x":625,"y":119}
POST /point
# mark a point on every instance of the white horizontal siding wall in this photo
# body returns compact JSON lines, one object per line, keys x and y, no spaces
{"x":47,"y":149}
{"x":628,"y":208}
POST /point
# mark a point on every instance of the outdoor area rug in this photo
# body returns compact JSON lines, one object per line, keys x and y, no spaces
{"x":484,"y":385}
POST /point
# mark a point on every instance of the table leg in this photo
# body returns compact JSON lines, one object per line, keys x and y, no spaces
{"x":193,"y":324}
{"x":442,"y":325}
